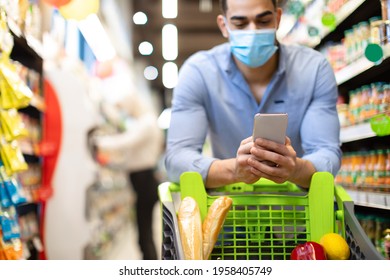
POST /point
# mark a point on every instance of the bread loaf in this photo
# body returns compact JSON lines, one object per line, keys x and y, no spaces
{"x":213,"y":222}
{"x":190,"y":228}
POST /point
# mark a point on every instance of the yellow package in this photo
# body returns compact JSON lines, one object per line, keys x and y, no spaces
{"x":13,"y":158}
{"x":6,"y":97}
{"x":17,"y":90}
{"x":12,"y":125}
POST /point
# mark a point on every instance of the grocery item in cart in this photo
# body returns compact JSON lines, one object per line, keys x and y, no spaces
{"x":190,"y":228}
{"x":213,"y":223}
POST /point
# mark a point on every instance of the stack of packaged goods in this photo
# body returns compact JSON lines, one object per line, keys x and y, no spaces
{"x":352,"y":46}
{"x":377,"y":228}
{"x":368,"y":170}
{"x":14,"y":95}
{"x":364,"y":103}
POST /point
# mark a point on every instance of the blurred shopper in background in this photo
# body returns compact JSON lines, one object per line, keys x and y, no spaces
{"x":136,"y":146}
{"x":220,"y":90}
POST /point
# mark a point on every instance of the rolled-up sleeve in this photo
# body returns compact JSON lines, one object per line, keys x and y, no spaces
{"x":320,"y":129}
{"x":188,"y":127}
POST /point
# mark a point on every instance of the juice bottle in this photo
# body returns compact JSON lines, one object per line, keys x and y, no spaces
{"x":371,"y":167}
{"x":355,"y":168}
{"x":348,"y":174}
{"x":386,"y":98}
{"x":346,"y":177}
{"x":364,"y":103}
{"x":374,"y":30}
{"x":387,"y":243}
{"x":375,"y":98}
{"x":380,"y":168}
{"x":385,"y":9}
{"x":382,"y":223}
{"x":387,"y":177}
{"x":364,"y":162}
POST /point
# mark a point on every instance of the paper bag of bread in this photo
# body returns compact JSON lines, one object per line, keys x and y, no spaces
{"x":190,"y":229}
{"x":213,"y":223}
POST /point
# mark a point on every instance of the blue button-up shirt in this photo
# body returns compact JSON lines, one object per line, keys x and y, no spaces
{"x":213,"y":101}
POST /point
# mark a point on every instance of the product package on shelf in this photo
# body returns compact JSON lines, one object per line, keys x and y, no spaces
{"x":366,"y":170}
{"x":18,"y":86}
{"x":365,"y":102}
{"x":10,"y":242}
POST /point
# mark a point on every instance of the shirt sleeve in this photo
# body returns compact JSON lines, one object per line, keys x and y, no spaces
{"x":188,"y":127}
{"x":320,"y":129}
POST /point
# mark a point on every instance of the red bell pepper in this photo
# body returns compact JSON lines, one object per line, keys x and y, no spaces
{"x":308,"y":251}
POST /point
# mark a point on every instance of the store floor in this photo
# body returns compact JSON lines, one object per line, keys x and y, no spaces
{"x":127,"y":246}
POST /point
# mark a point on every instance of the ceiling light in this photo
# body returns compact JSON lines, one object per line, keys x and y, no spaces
{"x":170,"y":74}
{"x":140,"y":18}
{"x":145,"y":48}
{"x":169,"y":8}
{"x":205,"y":6}
{"x":97,"y":38}
{"x":169,"y":42}
{"x":150,"y":73}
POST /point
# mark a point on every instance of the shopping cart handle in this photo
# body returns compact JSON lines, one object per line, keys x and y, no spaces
{"x":165,"y":191}
{"x":261,"y":186}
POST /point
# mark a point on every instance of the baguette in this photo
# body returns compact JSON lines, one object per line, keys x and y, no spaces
{"x":190,"y":229}
{"x":213,"y":223}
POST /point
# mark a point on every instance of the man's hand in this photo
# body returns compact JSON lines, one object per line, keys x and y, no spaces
{"x":243,"y":170}
{"x":263,"y":158}
{"x":233,"y":170}
{"x":286,"y":166}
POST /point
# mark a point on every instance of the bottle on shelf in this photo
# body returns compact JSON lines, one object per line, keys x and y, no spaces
{"x":371,"y":167}
{"x":387,"y":180}
{"x":380,"y":168}
{"x":385,"y":105}
{"x":385,"y":5}
{"x":386,"y":243}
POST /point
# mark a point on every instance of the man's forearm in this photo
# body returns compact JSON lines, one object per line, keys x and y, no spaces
{"x":304,"y":171}
{"x":221,"y":173}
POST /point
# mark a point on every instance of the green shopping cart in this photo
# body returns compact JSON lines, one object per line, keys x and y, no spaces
{"x":267,"y":220}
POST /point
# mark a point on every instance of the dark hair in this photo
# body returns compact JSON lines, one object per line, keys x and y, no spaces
{"x":223,"y":5}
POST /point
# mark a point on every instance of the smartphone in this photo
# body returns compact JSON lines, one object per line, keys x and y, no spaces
{"x":270,"y":126}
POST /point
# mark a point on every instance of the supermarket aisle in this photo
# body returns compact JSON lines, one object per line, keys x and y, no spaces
{"x":127,"y":247}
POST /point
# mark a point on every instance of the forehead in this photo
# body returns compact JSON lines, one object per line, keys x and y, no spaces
{"x":248,"y":8}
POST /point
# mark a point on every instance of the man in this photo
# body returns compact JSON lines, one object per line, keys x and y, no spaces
{"x":220,"y":90}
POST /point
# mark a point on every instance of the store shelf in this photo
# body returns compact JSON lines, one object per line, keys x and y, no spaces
{"x":352,"y":70}
{"x":370,"y":199}
{"x":25,"y":54}
{"x":356,"y":132}
{"x":345,"y":11}
{"x":351,"y":13}
{"x":341,"y":15}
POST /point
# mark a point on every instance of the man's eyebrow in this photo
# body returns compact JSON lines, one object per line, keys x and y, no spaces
{"x":238,"y":18}
{"x":263,"y":14}
{"x":266,"y":13}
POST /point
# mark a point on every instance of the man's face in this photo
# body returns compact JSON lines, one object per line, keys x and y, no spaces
{"x":252,"y":14}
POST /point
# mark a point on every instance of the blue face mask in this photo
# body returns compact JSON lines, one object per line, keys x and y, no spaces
{"x":253,"y":47}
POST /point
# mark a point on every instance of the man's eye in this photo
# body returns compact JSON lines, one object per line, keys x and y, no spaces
{"x":240,"y":25}
{"x":264,"y":22}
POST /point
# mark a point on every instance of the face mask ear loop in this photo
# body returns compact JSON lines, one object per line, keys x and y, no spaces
{"x":226,"y":24}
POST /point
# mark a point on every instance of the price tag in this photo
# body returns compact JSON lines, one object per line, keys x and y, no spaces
{"x":329,"y":20}
{"x":374,"y":53}
{"x":380,"y":125}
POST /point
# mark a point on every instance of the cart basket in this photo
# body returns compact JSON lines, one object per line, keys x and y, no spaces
{"x":266,"y":220}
